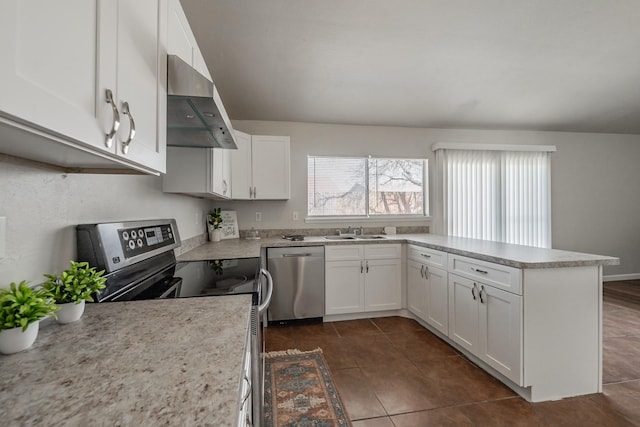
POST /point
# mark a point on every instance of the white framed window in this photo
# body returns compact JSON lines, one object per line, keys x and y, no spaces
{"x":366,"y":187}
{"x":497,"y":193}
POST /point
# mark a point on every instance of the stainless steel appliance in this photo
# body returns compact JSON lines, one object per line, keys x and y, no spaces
{"x":140,"y":264}
{"x":299,"y":276}
{"x":196,"y":116}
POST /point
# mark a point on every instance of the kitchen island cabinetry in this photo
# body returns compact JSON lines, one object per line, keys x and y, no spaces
{"x":260,"y":167}
{"x":487,"y":321}
{"x":362,"y":278}
{"x":72,"y":71}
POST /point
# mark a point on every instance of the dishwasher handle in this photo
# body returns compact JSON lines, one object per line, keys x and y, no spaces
{"x":296,"y":255}
{"x":267,"y":299}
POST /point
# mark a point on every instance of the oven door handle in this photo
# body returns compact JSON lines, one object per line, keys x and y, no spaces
{"x":267,"y":299}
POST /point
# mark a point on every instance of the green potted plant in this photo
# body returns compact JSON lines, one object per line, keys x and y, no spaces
{"x":215,"y":221}
{"x":74,"y":286}
{"x":21,"y":309}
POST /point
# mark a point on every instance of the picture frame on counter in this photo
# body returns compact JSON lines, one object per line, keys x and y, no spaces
{"x":229,"y":225}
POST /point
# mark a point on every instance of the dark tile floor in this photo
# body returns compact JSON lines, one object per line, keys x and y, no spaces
{"x":392,"y":372}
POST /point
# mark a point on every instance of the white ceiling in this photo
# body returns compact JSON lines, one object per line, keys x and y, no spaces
{"x":568,"y":65}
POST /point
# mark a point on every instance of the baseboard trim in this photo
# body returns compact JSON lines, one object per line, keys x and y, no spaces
{"x":618,"y":277}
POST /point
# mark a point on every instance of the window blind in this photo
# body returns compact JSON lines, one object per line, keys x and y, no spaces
{"x":498,"y":195}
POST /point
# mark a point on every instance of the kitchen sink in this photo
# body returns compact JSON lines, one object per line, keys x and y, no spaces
{"x":358,"y":237}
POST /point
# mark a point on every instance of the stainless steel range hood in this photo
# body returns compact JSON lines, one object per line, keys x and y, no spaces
{"x":195,"y":114}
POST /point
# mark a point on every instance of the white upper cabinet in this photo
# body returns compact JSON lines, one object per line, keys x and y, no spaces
{"x":200,"y":172}
{"x":260,"y":167}
{"x":181,"y":40}
{"x":59,"y":59}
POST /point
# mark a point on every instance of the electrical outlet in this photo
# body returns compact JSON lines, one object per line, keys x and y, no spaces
{"x":258,"y":216}
{"x":3,"y":235}
{"x":295,"y":215}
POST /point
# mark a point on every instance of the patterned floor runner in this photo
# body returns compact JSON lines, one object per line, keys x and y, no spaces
{"x":299,"y":391}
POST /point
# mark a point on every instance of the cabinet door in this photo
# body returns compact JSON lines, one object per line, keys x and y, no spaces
{"x":182,"y":42}
{"x":500,"y":331}
{"x":241,"y":179}
{"x":463,"y":312}
{"x":219,"y":172}
{"x":141,"y":74}
{"x":383,"y":284}
{"x":50,"y":60}
{"x":437,"y":298}
{"x":344,"y":287}
{"x":270,"y":165}
{"x":416,"y":289}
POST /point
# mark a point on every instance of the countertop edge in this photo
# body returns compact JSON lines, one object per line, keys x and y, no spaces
{"x":238,"y":248}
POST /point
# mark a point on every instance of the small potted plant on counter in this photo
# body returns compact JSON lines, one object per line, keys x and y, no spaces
{"x":21,"y":309}
{"x":215,"y":221}
{"x":74,"y":286}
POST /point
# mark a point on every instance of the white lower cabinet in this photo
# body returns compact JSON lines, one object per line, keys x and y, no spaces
{"x":487,"y":322}
{"x":362,"y":278}
{"x":427,"y":287}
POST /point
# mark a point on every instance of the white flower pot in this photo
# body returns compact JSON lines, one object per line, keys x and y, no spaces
{"x":215,"y":235}
{"x":14,"y":340}
{"x":70,"y":312}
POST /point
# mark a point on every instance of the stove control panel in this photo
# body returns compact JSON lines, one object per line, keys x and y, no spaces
{"x":140,"y":240}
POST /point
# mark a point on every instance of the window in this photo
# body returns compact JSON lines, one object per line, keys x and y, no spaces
{"x":365,"y":187}
{"x":497,"y":195}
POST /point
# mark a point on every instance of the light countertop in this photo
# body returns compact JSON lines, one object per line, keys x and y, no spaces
{"x":157,"y":362}
{"x":501,"y":253}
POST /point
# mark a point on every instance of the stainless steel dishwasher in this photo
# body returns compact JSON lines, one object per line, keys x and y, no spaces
{"x":298,"y":282}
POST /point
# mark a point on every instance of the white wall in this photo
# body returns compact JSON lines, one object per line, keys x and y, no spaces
{"x":595,"y":178}
{"x":43,"y":206}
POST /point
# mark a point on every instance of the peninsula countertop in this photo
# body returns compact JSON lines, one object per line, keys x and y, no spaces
{"x":156,"y":362}
{"x":517,"y":256}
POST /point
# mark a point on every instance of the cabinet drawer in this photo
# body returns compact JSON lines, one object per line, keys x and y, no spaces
{"x":382,"y":251}
{"x":500,"y":276}
{"x":427,"y":256}
{"x":343,"y":252}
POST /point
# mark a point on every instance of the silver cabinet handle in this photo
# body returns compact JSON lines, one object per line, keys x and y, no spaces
{"x":361,"y":267}
{"x":251,"y":192}
{"x":367,"y":266}
{"x":422,"y":271}
{"x":116,"y":119}
{"x":473,"y":291}
{"x":224,"y":187}
{"x":132,"y":127}
{"x":295,"y":255}
{"x":426,"y":272}
{"x":255,"y":192}
{"x":248,"y":393}
{"x":480,"y":294}
{"x":426,"y":256}
{"x":479,"y":271}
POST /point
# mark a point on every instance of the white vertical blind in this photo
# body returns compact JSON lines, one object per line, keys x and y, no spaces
{"x":498,"y":195}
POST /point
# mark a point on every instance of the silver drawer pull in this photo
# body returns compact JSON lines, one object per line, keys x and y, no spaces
{"x":422,"y":271}
{"x":473,"y":291}
{"x":479,"y":271}
{"x":426,"y":256}
{"x":480,"y":294}
{"x":116,"y":119}
{"x":295,"y":255}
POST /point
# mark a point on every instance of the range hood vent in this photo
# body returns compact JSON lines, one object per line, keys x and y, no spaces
{"x":195,"y":114}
